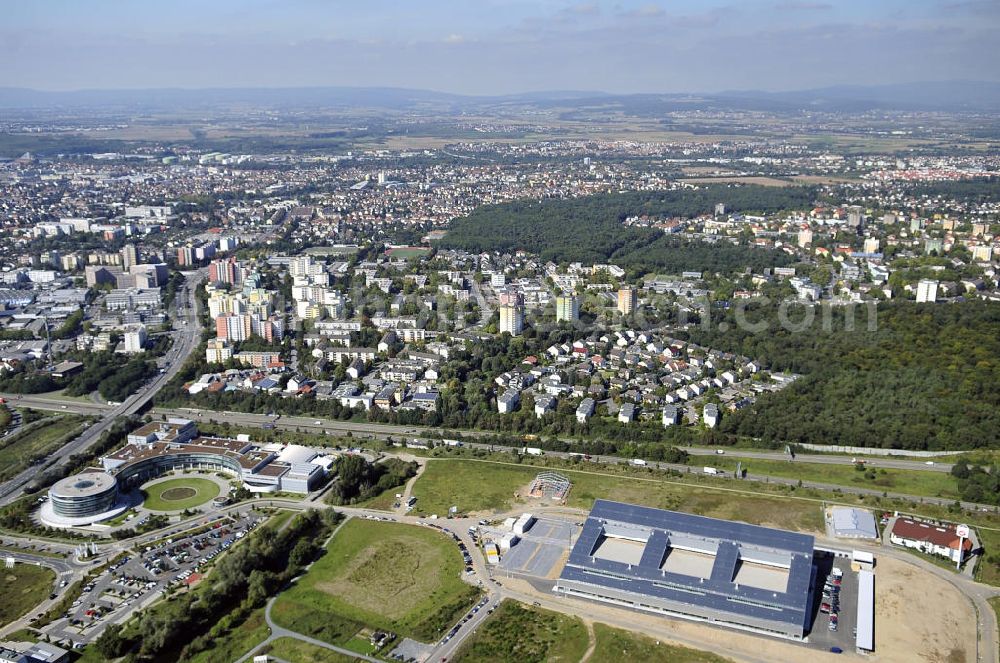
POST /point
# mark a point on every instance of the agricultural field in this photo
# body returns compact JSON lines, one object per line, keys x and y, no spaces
{"x":36,"y":441}
{"x":179,"y":494}
{"x":489,"y":486}
{"x":23,"y":587}
{"x":515,"y":633}
{"x":400,"y":578}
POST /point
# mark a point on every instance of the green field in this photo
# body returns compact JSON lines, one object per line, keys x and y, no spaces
{"x":988,"y":571}
{"x":296,"y":651}
{"x":480,"y":486}
{"x":405,"y":253}
{"x":516,"y":633}
{"x":922,"y":483}
{"x":23,"y":587}
{"x":614,"y":644}
{"x":230,"y":641}
{"x":179,"y":494}
{"x":37,"y":440}
{"x":401,"y":578}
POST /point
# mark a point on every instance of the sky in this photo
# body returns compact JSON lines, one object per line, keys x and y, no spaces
{"x":496,"y":46}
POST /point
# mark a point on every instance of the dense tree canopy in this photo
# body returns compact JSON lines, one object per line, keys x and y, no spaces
{"x":590,"y":229}
{"x":924,"y":379}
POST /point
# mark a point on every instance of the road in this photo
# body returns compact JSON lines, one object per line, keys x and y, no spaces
{"x":370,"y":430}
{"x":367,"y":430}
{"x":64,"y":570}
{"x":186,"y":336}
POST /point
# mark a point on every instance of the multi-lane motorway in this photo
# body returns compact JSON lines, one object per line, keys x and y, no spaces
{"x":185,"y":334}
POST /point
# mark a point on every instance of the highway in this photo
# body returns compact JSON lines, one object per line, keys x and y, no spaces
{"x":370,"y":431}
{"x":186,"y":335}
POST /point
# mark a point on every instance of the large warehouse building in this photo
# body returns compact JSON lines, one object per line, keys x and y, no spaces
{"x":732,"y":574}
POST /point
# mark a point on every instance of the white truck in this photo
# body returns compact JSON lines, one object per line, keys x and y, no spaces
{"x":711,"y":470}
{"x":638,"y":461}
{"x":532,"y":451}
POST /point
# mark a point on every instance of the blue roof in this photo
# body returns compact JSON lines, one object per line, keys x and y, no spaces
{"x":729,"y":540}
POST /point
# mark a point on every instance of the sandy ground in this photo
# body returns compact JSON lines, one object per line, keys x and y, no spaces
{"x":919,"y":618}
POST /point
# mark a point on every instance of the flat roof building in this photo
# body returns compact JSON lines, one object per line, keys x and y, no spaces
{"x":853,"y":523}
{"x":717,"y":571}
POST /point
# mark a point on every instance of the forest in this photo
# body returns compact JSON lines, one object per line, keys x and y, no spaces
{"x":590,"y":229}
{"x":115,"y":376}
{"x":924,"y":379}
{"x":358,"y":480}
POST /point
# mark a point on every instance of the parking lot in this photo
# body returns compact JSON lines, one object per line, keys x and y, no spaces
{"x":842,"y":601}
{"x":138,"y":579}
{"x":540,"y":549}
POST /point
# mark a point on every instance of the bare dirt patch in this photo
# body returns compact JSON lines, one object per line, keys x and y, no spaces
{"x":920,"y":617}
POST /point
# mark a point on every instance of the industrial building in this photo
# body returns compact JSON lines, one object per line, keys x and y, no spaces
{"x":727,"y":573}
{"x":851,"y":523}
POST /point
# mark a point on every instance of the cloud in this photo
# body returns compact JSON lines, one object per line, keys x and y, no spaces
{"x":645,"y":11}
{"x":801,"y":5}
{"x":455,"y":39}
{"x":584,"y":9}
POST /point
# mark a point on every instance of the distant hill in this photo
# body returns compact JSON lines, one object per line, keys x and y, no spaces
{"x":940,"y":95}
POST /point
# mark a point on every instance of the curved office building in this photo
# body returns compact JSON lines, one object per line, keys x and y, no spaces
{"x":145,"y":469}
{"x":82,"y":499}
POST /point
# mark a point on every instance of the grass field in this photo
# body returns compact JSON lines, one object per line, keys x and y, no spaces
{"x":34,"y":441}
{"x":229,"y":641}
{"x":477,"y":486}
{"x":179,"y":494}
{"x":23,"y":587}
{"x":401,"y":578}
{"x":515,"y":633}
{"x":296,"y":651}
{"x":923,"y":483}
{"x":407,"y":252}
{"x":988,"y":571}
{"x":616,"y":645}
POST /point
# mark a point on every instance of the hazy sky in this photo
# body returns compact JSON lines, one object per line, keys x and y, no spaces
{"x":495,"y":46}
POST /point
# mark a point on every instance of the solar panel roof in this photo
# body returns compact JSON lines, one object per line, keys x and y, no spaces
{"x":729,"y":541}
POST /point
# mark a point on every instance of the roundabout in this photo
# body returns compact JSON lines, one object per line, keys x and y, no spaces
{"x":177,"y":494}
